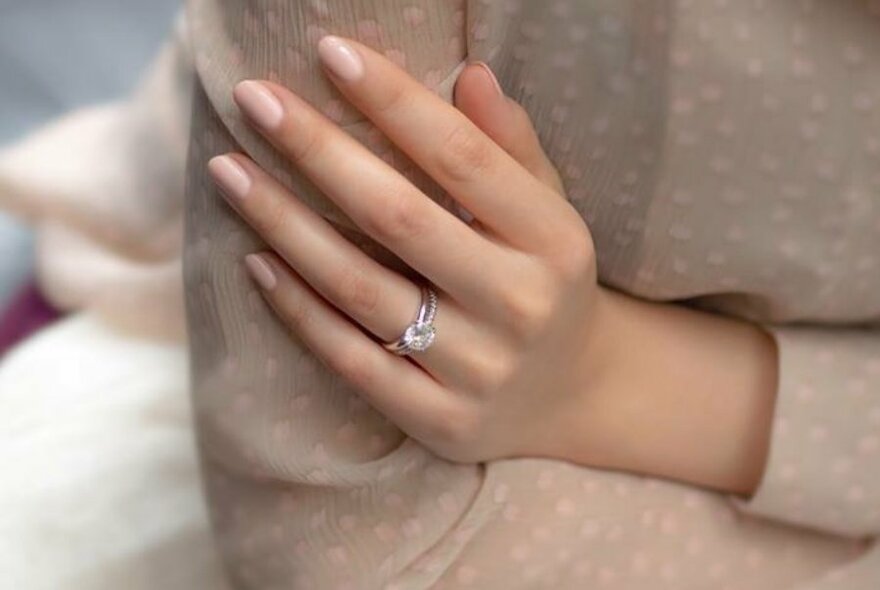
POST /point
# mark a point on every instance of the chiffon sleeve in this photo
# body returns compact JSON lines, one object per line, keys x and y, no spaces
{"x":823,"y":469}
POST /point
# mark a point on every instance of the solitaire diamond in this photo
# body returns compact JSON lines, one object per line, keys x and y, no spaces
{"x":419,"y":336}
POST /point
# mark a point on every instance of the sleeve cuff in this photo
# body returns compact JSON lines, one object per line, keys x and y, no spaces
{"x":823,"y":469}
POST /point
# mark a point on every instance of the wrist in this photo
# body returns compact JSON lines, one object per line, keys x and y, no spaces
{"x":676,"y":393}
{"x":603,"y":353}
{"x":585,"y":425}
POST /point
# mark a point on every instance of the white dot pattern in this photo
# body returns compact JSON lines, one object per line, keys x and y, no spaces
{"x":723,"y":152}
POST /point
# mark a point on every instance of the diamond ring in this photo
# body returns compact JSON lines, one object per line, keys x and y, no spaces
{"x":419,"y":335}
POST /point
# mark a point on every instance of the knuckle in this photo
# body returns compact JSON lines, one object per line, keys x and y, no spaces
{"x":358,"y":292}
{"x":465,"y":154}
{"x":272,"y":218}
{"x":308,"y":143}
{"x":296,"y":315}
{"x":400,"y":219}
{"x":355,"y":368}
{"x":527,"y":312}
{"x":489,"y":373}
{"x":393,"y":99}
{"x":576,"y":256}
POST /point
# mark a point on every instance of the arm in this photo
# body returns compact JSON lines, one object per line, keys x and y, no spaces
{"x":692,"y":396}
{"x":686,"y":395}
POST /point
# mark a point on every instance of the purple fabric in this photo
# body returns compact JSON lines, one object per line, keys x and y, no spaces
{"x":27,"y":312}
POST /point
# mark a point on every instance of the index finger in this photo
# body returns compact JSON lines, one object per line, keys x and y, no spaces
{"x":447,"y":145}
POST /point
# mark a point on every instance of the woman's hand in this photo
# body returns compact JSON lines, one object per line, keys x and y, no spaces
{"x":520,"y":319}
{"x":532,"y":357}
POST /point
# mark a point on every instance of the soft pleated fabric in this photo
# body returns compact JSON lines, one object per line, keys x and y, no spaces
{"x":726,"y":155}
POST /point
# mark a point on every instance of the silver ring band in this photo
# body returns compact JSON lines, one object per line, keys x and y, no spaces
{"x":419,"y":335}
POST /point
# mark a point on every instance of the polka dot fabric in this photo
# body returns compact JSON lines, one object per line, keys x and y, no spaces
{"x":726,"y":155}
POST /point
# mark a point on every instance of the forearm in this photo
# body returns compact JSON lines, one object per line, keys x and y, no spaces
{"x":684,"y":394}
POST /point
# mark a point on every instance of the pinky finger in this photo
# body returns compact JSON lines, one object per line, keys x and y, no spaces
{"x":399,"y":389}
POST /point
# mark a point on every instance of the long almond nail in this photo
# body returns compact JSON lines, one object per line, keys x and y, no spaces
{"x":259,"y":103}
{"x":340,"y":58}
{"x":261,"y":271}
{"x":232,"y":178}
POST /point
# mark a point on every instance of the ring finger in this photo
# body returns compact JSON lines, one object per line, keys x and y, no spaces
{"x":379,"y":299}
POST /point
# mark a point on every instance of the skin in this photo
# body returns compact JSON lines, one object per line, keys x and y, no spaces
{"x":533,"y":357}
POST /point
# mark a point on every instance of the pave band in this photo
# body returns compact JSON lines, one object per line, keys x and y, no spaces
{"x":419,"y":335}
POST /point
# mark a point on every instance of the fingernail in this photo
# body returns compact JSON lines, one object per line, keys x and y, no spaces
{"x":341,"y":58}
{"x":259,"y":103}
{"x":261,"y":271}
{"x":492,"y":77}
{"x":230,"y":176}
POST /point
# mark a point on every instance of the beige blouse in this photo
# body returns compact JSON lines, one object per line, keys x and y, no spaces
{"x":726,"y":155}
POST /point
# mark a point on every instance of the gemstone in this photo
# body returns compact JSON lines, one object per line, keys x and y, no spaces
{"x":419,"y":336}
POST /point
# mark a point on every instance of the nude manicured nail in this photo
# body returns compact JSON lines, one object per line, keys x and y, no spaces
{"x":230,"y":176}
{"x":340,"y":58}
{"x":259,"y":103}
{"x":491,"y":76}
{"x":261,"y":271}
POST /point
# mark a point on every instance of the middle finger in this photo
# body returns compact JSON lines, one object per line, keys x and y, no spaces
{"x":379,"y":199}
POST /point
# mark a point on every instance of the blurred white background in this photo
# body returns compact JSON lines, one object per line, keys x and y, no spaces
{"x":59,"y":54}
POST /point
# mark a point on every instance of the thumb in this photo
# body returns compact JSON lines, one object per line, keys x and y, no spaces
{"x":479,"y":96}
